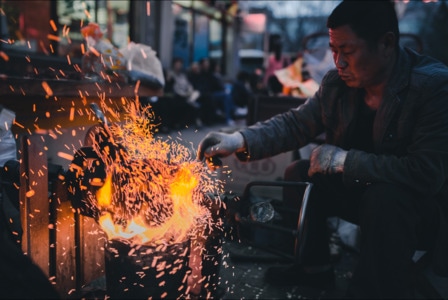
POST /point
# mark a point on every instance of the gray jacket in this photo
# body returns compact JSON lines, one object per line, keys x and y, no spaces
{"x":410,"y":132}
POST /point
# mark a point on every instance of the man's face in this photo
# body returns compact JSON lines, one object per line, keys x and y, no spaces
{"x":205,"y":65}
{"x":178,"y":65}
{"x":358,"y":65}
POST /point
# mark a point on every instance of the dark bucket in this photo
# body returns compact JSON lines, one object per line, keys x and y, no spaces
{"x":142,"y":272}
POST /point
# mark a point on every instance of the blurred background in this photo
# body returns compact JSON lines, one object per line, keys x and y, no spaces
{"x":234,"y":33}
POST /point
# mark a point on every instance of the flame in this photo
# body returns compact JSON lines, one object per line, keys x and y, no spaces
{"x":104,"y":194}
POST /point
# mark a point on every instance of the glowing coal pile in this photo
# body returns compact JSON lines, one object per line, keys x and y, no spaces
{"x":152,"y":199}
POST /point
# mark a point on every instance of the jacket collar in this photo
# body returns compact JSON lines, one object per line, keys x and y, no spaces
{"x":391,"y":101}
{"x":401,"y":74}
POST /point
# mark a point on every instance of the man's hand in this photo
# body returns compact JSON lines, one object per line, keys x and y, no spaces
{"x":217,"y":144}
{"x":327,"y":159}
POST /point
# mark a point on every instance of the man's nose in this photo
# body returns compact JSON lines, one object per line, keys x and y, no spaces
{"x":340,"y":62}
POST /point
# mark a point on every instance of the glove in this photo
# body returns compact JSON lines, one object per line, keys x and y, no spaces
{"x":217,"y":144}
{"x":327,"y":159}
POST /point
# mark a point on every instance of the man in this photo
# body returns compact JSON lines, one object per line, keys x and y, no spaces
{"x":183,"y":107}
{"x":384,"y":164}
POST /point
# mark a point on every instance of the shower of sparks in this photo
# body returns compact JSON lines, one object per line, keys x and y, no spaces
{"x":154,"y":191}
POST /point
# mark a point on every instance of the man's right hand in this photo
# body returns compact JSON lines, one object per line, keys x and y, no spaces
{"x":217,"y":144}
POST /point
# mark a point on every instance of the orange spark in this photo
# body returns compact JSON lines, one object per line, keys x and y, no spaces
{"x":65,"y":156}
{"x":72,"y":113}
{"x":4,"y":56}
{"x":53,"y":25}
{"x":137,"y":86}
{"x":18,"y":124}
{"x":30,"y":193}
{"x":143,"y":54}
{"x":53,"y":37}
{"x":94,"y":51}
{"x":47,"y":88}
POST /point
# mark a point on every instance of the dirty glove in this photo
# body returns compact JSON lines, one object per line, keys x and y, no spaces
{"x":327,"y":159}
{"x":217,"y":144}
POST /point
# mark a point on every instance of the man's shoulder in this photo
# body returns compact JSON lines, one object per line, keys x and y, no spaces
{"x":428,"y":70}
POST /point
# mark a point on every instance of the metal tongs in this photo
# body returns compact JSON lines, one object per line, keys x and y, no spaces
{"x":100,"y":116}
{"x":105,"y":125}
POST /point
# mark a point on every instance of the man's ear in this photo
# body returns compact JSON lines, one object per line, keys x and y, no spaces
{"x":388,"y":43}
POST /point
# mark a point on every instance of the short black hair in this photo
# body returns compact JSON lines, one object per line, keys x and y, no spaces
{"x":177,"y":59}
{"x":370,"y":20}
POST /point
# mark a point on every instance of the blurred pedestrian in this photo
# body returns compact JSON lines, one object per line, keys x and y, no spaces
{"x":241,"y":91}
{"x":186,"y":107}
{"x":277,"y":60}
{"x":215,"y":93}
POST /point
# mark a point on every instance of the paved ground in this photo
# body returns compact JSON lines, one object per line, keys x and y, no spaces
{"x":243,"y":277}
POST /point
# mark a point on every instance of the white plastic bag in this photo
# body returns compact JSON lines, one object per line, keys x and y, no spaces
{"x":318,"y":63}
{"x":143,"y":65}
{"x":102,"y":58}
{"x":8,"y":147}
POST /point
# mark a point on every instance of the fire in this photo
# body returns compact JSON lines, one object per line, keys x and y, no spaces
{"x":103,"y":195}
{"x":154,"y":190}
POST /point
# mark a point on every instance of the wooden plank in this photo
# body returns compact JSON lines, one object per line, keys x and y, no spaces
{"x":65,"y":264}
{"x":39,"y":114}
{"x":34,"y":206}
{"x":34,"y":87}
{"x":92,"y":242}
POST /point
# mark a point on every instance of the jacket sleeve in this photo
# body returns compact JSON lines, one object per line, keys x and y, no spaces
{"x":284,"y":132}
{"x":425,"y":165}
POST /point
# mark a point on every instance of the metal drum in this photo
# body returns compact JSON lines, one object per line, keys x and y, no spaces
{"x":142,"y":272}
